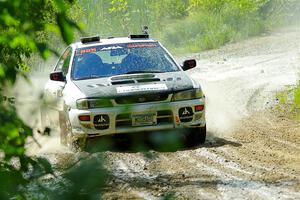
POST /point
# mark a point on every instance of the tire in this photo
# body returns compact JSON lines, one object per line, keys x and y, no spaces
{"x":196,"y":135}
{"x":66,"y":136}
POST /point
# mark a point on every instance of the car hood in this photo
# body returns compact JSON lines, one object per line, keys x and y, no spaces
{"x":135,"y":84}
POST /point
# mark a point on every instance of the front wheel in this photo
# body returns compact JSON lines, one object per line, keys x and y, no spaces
{"x":196,"y":135}
{"x":66,"y":136}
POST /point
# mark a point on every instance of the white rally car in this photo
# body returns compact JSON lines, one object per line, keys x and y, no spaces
{"x":123,"y":85}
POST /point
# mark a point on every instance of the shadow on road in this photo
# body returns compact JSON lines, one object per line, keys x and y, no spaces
{"x":163,"y":141}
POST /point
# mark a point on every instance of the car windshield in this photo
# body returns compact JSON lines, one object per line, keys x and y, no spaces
{"x":117,"y":59}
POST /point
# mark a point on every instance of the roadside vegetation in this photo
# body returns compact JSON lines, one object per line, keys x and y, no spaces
{"x":289,"y":101}
{"x":182,"y":25}
{"x":296,"y":101}
{"x":188,"y":25}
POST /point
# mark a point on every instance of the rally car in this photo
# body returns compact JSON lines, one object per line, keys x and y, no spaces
{"x":123,"y":85}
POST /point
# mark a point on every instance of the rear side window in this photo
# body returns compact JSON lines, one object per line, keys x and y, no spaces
{"x":117,"y":59}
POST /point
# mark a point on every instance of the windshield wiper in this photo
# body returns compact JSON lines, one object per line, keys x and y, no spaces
{"x":138,"y":72}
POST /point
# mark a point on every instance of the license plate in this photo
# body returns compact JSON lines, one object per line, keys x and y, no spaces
{"x":143,"y":119}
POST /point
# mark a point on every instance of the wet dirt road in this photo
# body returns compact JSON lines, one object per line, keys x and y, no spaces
{"x":252,"y":151}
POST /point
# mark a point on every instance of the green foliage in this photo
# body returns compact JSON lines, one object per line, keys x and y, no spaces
{"x":119,"y":17}
{"x":188,"y":26}
{"x":212,"y":24}
{"x":290,"y":99}
{"x":282,"y":97}
{"x":297,"y":97}
{"x":23,"y":26}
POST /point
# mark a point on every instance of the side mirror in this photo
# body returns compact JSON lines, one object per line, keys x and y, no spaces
{"x":189,"y":64}
{"x":57,"y":76}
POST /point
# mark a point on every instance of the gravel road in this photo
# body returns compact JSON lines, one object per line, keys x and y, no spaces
{"x":252,"y":150}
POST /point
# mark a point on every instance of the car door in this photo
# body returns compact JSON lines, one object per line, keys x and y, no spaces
{"x":54,"y":88}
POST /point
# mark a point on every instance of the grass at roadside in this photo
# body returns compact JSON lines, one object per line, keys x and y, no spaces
{"x":289,"y":101}
{"x":296,"y":104}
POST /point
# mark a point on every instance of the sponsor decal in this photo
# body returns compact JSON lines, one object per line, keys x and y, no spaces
{"x":83,"y":51}
{"x":101,"y":122}
{"x":141,"y":88}
{"x":121,"y":47}
{"x":185,"y":112}
{"x":141,"y":45}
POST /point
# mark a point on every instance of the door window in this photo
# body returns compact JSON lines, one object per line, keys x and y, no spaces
{"x":64,"y":61}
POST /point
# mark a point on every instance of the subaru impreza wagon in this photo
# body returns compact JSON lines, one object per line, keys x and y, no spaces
{"x":123,"y":85}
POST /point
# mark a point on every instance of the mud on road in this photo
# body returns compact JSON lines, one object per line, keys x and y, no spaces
{"x":252,"y":150}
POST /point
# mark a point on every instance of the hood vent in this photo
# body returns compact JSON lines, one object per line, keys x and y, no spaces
{"x":122,"y":82}
{"x":133,"y":76}
{"x":95,"y":85}
{"x":148,"y":80}
{"x":145,"y":80}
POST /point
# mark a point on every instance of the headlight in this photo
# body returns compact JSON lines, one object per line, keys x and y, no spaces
{"x":187,"y":95}
{"x":93,"y":103}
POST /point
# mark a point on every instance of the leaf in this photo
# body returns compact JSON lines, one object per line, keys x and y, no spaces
{"x":43,"y":50}
{"x":45,"y":165}
{"x":2,"y":72}
{"x":65,"y":28}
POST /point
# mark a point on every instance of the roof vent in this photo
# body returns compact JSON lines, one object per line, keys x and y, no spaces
{"x":142,"y":36}
{"x":91,"y":39}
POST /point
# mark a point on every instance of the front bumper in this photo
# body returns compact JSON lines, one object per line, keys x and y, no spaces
{"x":120,"y":120}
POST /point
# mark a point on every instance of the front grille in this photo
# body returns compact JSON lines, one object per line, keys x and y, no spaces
{"x":163,"y":116}
{"x":141,"y":98}
{"x":123,"y":120}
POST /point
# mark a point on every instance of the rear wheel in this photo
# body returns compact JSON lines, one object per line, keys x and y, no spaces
{"x":196,"y":135}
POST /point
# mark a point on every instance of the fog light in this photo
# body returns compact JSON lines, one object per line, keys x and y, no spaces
{"x":84,"y":118}
{"x":199,"y":108}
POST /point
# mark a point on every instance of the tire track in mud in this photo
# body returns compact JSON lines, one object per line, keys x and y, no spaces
{"x":199,"y":171}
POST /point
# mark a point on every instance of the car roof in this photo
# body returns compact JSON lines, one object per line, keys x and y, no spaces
{"x":117,"y":40}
